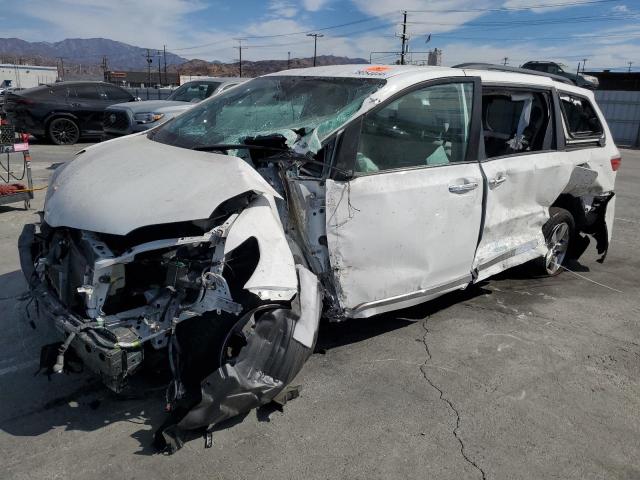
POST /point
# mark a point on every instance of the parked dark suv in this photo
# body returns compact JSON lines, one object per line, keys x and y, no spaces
{"x":580,"y":79}
{"x":63,"y":112}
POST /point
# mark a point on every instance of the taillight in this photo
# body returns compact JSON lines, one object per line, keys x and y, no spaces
{"x":615,"y":163}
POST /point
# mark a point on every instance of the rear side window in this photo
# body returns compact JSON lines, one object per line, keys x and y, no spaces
{"x":516,"y":121}
{"x":115,"y":93}
{"x":87,"y":92}
{"x":45,"y":93}
{"x":580,"y":117}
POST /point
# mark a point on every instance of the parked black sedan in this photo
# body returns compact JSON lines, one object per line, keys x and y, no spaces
{"x":65,"y":111}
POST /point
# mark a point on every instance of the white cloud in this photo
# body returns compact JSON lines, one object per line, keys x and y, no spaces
{"x":314,"y":5}
{"x":283,"y":8}
{"x":620,"y":9}
{"x":528,"y":4}
{"x":143,"y":22}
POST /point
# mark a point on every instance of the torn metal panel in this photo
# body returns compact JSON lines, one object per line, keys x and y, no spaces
{"x":308,"y":213}
{"x":581,"y":181}
{"x":274,"y":277}
{"x":401,"y":234}
{"x":125,"y":185}
{"x":278,"y":342}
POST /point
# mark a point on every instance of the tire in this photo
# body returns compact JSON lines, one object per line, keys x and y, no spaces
{"x":63,"y":131}
{"x":559,"y":232}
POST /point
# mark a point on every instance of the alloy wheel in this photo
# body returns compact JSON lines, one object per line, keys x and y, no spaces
{"x":557,"y":246}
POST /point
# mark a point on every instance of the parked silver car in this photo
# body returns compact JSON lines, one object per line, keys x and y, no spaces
{"x":126,"y":118}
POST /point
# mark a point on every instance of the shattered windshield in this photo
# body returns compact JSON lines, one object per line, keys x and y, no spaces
{"x":304,"y":110}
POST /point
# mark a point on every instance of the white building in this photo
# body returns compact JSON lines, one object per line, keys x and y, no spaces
{"x":26,"y":76}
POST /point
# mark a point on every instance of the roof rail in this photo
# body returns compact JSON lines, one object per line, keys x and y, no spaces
{"x":504,"y":68}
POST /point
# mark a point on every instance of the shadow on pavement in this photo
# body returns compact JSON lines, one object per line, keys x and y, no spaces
{"x":34,"y":405}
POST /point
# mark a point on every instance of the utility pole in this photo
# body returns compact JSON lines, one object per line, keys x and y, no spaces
{"x":105,"y":68}
{"x":288,"y":60}
{"x":315,"y":45}
{"x":630,"y":63}
{"x":164,"y":54}
{"x":240,"y":48}
{"x":159,"y":54}
{"x":584,"y":62}
{"x":149,"y":62}
{"x":404,"y":37}
{"x":505,"y":60}
{"x":61,"y":67}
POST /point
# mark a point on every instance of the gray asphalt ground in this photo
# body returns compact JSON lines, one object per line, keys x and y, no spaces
{"x":519,"y":378}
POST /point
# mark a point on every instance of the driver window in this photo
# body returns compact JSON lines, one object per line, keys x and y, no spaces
{"x":426,"y":127}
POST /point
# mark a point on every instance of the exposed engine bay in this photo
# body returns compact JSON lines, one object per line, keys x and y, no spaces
{"x":223,"y":298}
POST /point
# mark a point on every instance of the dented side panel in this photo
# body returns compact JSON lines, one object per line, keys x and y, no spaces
{"x":520,"y":190}
{"x":400,"y":236}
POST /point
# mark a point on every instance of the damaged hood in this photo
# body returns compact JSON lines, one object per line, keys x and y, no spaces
{"x":132,"y":182}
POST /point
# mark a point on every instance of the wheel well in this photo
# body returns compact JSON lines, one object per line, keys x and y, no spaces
{"x":574,"y":206}
{"x":53,"y":116}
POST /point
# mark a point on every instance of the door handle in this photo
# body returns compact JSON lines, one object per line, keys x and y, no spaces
{"x":463,"y":187}
{"x":497,"y":181}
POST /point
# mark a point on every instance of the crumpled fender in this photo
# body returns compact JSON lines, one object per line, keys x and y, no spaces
{"x":277,"y":348}
{"x":275,"y":275}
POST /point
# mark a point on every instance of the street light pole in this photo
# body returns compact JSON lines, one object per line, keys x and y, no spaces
{"x":315,"y":45}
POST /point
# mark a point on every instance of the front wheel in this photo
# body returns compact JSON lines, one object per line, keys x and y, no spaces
{"x":63,"y":131}
{"x":558,"y":233}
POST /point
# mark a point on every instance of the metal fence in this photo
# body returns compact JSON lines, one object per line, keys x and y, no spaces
{"x":622,"y":111}
{"x":150,"y":93}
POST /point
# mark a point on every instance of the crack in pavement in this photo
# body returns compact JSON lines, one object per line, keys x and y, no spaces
{"x":448,"y":402}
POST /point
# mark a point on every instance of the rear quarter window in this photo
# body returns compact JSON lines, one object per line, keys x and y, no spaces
{"x":580,"y":117}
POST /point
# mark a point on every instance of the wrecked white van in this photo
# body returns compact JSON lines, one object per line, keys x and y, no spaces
{"x":220,"y":238}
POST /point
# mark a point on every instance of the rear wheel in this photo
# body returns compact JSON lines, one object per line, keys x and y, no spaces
{"x":558,"y":234}
{"x":63,"y":131}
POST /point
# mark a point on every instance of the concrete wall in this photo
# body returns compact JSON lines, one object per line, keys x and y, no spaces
{"x":27,"y":76}
{"x":622,"y":111}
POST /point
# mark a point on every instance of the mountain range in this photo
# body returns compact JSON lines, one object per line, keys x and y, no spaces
{"x":78,"y":51}
{"x":84,"y":56}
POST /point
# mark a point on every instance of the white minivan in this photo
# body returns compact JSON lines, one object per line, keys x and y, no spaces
{"x":220,"y":238}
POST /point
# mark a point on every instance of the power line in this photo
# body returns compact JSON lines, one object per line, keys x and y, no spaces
{"x":304,"y":32}
{"x":511,"y":9}
{"x":527,"y":39}
{"x":549,"y":21}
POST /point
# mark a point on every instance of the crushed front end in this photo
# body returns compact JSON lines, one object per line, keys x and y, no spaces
{"x":222,"y":299}
{"x":117,"y":299}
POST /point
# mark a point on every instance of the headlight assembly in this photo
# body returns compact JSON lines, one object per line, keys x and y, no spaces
{"x":148,"y":117}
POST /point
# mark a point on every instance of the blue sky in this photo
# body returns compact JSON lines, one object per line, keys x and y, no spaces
{"x":606,"y":32}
